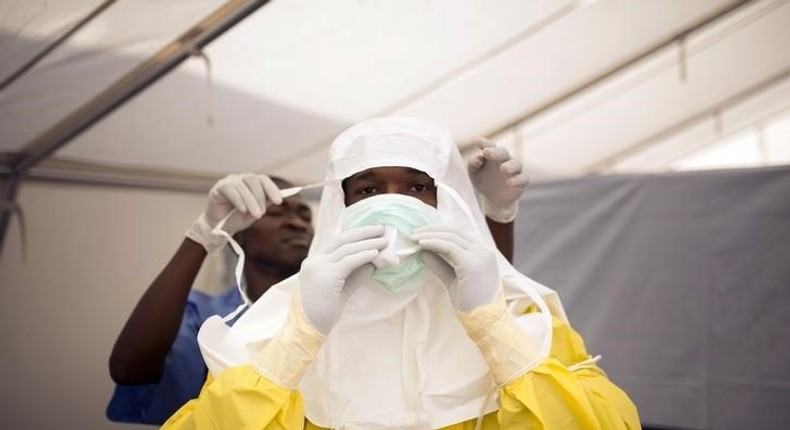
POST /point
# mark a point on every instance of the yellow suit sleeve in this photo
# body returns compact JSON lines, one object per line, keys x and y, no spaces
{"x":552,"y":396}
{"x":261,"y":395}
{"x":240,"y":399}
{"x":565,"y":391}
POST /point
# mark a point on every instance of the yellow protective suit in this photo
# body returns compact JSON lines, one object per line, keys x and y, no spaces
{"x":550,"y":396}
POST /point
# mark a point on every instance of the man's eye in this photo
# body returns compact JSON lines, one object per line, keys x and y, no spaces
{"x":367,"y":190}
{"x":419,"y":187}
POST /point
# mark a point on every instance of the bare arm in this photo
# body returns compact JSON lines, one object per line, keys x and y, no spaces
{"x":503,"y":237}
{"x":139,"y":353}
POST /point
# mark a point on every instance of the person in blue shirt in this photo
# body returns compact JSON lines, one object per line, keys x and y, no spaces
{"x":156,"y":362}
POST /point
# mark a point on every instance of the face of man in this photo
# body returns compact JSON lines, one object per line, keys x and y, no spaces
{"x":385,"y":180}
{"x":281,"y":237}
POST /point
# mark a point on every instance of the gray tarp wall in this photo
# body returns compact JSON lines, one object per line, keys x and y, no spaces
{"x":680,"y":281}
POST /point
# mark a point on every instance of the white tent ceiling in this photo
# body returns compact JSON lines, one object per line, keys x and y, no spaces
{"x":572,"y":87}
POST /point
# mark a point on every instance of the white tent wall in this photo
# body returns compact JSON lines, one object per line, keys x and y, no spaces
{"x":91,"y":252}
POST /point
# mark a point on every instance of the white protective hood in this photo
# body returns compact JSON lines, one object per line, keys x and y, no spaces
{"x":393,"y":360}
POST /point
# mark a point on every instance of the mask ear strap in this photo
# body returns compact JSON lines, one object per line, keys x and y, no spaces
{"x":239,"y":272}
{"x":288,"y":192}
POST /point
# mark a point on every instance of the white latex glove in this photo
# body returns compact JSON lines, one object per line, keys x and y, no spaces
{"x":499,"y":179}
{"x":478,"y":298}
{"x":248,"y":193}
{"x":316,"y":305}
{"x":475,"y":266}
{"x":325,"y":274}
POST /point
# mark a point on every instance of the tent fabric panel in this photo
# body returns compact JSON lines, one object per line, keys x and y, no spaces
{"x":654,"y":97}
{"x":114,"y":43}
{"x":679,"y":281}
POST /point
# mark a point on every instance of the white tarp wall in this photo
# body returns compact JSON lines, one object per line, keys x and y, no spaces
{"x":91,"y":252}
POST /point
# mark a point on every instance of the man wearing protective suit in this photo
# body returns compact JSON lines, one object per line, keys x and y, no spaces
{"x":156,"y":361}
{"x":403,"y":316}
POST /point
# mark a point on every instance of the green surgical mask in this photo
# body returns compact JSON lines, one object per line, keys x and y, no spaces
{"x":399,"y":267}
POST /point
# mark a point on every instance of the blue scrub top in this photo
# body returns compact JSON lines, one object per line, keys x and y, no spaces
{"x":184,"y":372}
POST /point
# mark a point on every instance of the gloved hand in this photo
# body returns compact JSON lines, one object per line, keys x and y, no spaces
{"x":475,"y":266}
{"x":479,"y":299}
{"x":248,"y":193}
{"x":316,"y":305}
{"x":343,"y":263}
{"x":499,"y":179}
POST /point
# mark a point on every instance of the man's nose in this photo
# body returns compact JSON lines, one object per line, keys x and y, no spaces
{"x":295,"y":221}
{"x":392,"y":189}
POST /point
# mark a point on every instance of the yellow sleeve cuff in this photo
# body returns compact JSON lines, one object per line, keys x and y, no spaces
{"x":505,"y":346}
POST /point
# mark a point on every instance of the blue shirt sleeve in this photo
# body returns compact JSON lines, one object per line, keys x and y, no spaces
{"x":184,"y":371}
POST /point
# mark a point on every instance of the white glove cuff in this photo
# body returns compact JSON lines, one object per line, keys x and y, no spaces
{"x":286,"y":357}
{"x":500,"y":214}
{"x":504,"y":344}
{"x":200,"y":232}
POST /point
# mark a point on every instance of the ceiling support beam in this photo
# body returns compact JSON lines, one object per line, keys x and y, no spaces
{"x":190,"y":42}
{"x":62,"y":171}
{"x":133,"y":82}
{"x":9,"y":185}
